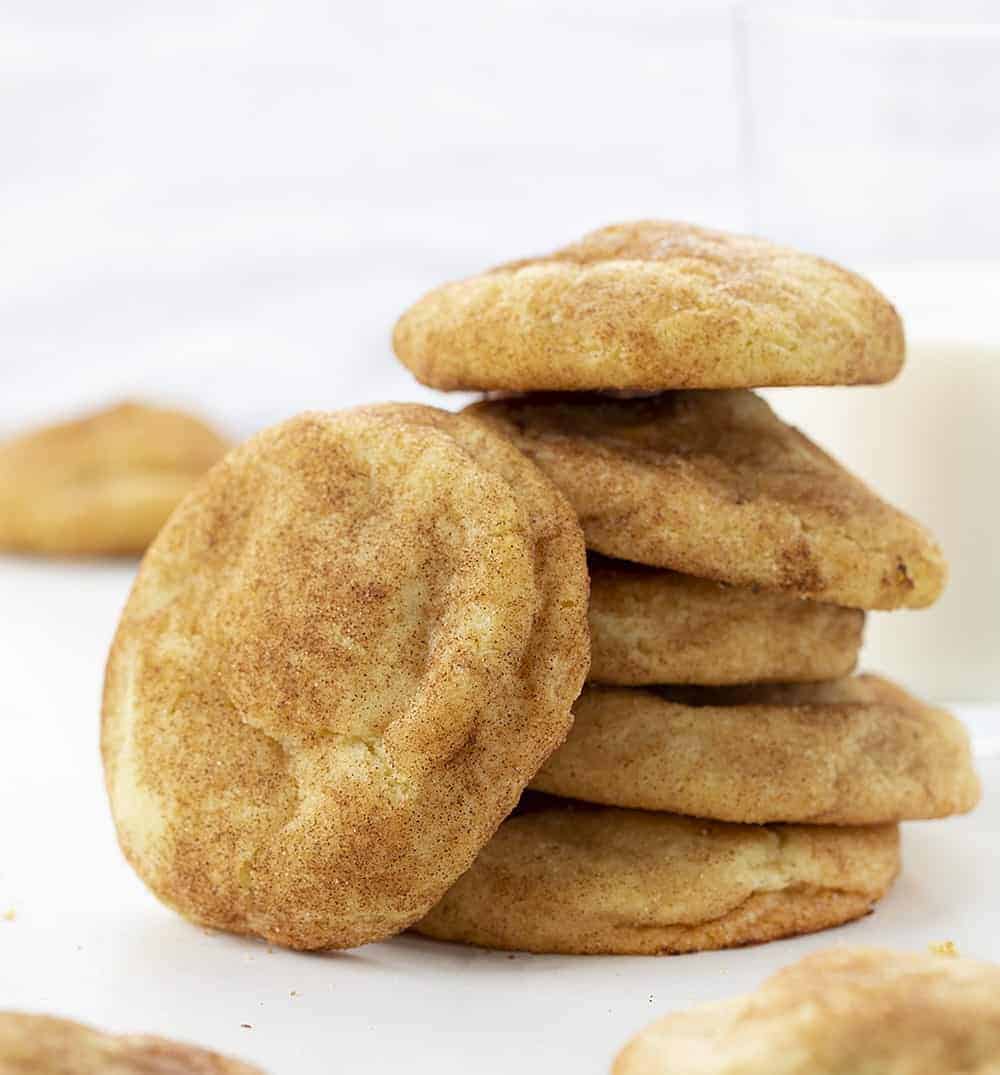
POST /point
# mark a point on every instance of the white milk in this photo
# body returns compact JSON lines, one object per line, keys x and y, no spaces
{"x":929,"y":443}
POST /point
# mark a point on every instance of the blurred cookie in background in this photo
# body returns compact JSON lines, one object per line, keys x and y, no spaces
{"x":101,"y":484}
{"x":45,"y":1045}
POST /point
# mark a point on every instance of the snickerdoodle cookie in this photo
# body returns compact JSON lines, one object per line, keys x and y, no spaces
{"x":714,"y":484}
{"x":648,"y":625}
{"x":568,"y":878}
{"x":653,"y":305}
{"x":841,"y":1012}
{"x":103,"y":484}
{"x":343,"y":658}
{"x":856,"y":751}
{"x":45,"y":1045}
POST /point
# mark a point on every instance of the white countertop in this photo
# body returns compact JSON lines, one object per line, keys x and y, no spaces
{"x":89,"y":942}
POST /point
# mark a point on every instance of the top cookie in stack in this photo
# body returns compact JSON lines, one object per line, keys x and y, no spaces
{"x":628,"y":361}
{"x":651,"y":306}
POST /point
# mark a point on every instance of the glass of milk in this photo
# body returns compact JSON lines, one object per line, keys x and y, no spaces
{"x":876,"y":141}
{"x":929,"y":443}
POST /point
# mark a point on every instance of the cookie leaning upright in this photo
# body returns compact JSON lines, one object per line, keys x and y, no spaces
{"x":344,"y":657}
{"x":654,"y":305}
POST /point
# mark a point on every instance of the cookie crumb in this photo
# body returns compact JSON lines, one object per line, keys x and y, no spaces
{"x":247,"y":1026}
{"x":944,"y":948}
{"x":9,"y":915}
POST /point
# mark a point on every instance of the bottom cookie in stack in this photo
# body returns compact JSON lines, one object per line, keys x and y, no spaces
{"x":572,"y":878}
{"x":803,"y":786}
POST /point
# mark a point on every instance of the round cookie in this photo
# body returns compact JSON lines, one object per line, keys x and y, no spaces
{"x":653,"y":305}
{"x":653,"y":626}
{"x":45,"y":1045}
{"x":714,"y":484}
{"x":103,"y":484}
{"x":343,"y":658}
{"x":839,"y":1012}
{"x":571,"y":879}
{"x":855,"y":751}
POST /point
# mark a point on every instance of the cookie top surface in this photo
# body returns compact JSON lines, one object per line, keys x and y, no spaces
{"x":653,"y":305}
{"x":104,"y":483}
{"x":857,"y":751}
{"x":651,"y":626}
{"x":570,"y":878}
{"x":714,"y":484}
{"x":45,"y":1045}
{"x":342,"y":660}
{"x":839,"y":1012}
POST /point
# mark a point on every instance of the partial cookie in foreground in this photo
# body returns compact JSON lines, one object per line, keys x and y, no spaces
{"x":575,"y":879}
{"x":840,"y":1012}
{"x":45,"y":1045}
{"x":714,"y":484}
{"x":653,"y":305}
{"x":857,"y":751}
{"x":342,"y":660}
{"x":103,"y":484}
{"x":648,"y":625}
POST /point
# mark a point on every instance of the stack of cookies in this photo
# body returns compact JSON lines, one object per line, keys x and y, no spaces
{"x":727,"y":780}
{"x":361,"y":636}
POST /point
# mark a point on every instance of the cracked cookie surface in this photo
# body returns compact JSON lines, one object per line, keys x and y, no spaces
{"x":103,"y":484}
{"x":341,"y":662}
{"x":714,"y":484}
{"x":857,"y":751}
{"x":840,"y":1012}
{"x":44,"y":1045}
{"x":652,"y":305}
{"x":569,"y":878}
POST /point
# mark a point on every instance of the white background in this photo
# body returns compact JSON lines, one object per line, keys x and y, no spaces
{"x":231,"y":203}
{"x":228,"y":203}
